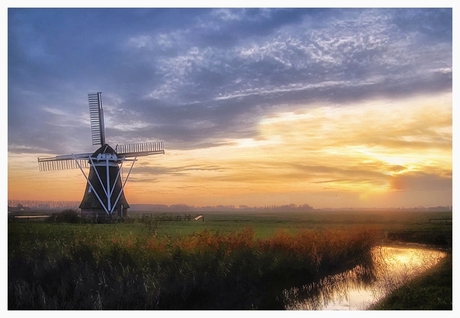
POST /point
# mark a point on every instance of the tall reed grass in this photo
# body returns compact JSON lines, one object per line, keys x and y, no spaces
{"x":71,"y":269}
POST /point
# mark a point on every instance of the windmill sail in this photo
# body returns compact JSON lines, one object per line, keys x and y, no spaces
{"x":73,"y":161}
{"x":97,"y":118}
{"x":140,"y":149}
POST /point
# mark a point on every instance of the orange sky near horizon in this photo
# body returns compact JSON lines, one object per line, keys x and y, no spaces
{"x":379,"y":153}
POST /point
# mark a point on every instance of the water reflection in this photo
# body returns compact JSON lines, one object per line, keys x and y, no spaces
{"x":361,"y":287}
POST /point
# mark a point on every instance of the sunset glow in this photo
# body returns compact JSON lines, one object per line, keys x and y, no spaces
{"x":365,"y":154}
{"x":264,"y":134}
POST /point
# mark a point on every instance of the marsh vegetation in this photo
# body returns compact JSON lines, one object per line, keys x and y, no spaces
{"x":230,"y":261}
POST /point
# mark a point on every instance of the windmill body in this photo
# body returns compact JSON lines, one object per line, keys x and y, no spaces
{"x":104,"y":195}
{"x":104,"y":167}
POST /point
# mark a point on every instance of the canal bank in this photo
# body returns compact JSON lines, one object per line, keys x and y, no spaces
{"x":432,"y":290}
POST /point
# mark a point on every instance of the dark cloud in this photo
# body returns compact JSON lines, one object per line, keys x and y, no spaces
{"x":420,"y":181}
{"x":434,"y":25}
{"x":196,"y":76}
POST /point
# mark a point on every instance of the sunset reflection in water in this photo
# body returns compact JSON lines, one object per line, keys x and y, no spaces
{"x":361,"y":287}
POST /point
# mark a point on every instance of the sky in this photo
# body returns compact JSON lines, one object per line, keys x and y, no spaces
{"x":322,"y":106}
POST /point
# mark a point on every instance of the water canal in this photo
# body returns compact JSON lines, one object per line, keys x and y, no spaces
{"x":359,"y":288}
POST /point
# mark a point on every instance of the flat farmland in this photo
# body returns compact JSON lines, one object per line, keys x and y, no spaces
{"x":234,"y":260}
{"x":266,"y":224}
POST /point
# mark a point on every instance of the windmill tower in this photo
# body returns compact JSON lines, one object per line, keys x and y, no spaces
{"x":104,"y":196}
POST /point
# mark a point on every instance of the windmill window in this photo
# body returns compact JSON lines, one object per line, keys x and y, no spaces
{"x":104,"y":156}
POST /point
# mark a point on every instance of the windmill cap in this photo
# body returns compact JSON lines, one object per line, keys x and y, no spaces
{"x":105,"y":152}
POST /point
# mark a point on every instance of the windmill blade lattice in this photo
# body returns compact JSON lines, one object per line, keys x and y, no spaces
{"x":62,"y":165}
{"x":140,"y":149}
{"x":97,"y":118}
{"x":74,"y":161}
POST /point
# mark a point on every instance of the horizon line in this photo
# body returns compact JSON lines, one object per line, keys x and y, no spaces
{"x":28,"y":203}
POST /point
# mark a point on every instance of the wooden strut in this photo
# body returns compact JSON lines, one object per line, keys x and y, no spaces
{"x":108,"y":192}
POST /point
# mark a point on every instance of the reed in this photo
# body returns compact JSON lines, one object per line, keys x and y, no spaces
{"x":59,"y":267}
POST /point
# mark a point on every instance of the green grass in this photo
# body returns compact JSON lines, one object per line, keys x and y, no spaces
{"x":267,"y":223}
{"x":125,"y":266}
{"x":430,"y":291}
{"x":229,"y":261}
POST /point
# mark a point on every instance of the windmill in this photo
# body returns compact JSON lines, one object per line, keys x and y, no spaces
{"x":104,"y":195}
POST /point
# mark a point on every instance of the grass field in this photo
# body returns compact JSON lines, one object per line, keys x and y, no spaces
{"x":227,"y":261}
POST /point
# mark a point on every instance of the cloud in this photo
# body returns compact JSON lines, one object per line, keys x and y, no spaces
{"x":169,"y":58}
{"x":358,"y":148}
{"x":214,"y":80}
{"x":420,"y":181}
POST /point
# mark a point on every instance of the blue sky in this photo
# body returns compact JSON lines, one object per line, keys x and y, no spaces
{"x":208,"y":80}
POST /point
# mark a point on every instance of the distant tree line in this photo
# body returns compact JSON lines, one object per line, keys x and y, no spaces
{"x":37,"y":204}
{"x":223,"y":208}
{"x":24,"y":204}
